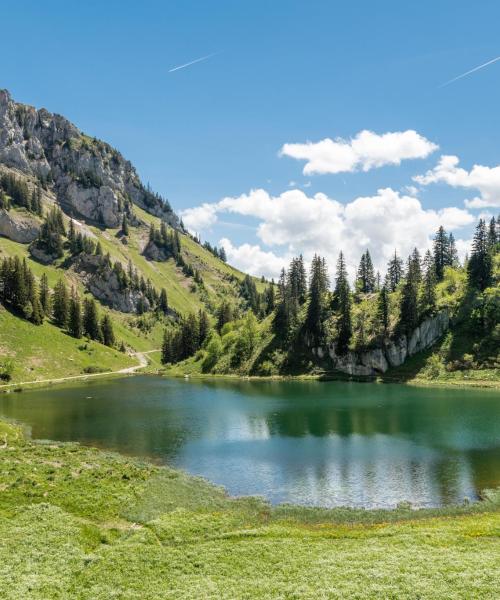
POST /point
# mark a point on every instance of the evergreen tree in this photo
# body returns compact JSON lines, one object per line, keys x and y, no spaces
{"x":167,"y":348}
{"x":342,"y":305}
{"x":383,"y":309}
{"x":124,"y":225}
{"x":409,"y":297}
{"x":60,"y":304}
{"x":394,"y":272}
{"x":493,"y":238}
{"x":45,"y":295}
{"x":479,"y":268}
{"x":108,"y":335}
{"x":428,"y":291}
{"x":163,"y":301}
{"x":281,"y":322}
{"x":452,"y":254}
{"x":203,"y":327}
{"x":222,"y":254}
{"x":91,"y":326}
{"x":224,"y":314}
{"x":316,"y":308}
{"x":75,"y":325}
{"x":441,"y":252}
{"x":365,"y":281}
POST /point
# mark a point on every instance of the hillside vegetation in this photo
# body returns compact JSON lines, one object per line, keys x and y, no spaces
{"x":83,"y":523}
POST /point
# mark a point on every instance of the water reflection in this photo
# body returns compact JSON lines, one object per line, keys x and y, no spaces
{"x":315,"y":443}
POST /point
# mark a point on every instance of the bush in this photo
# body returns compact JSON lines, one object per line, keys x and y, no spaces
{"x":6,"y":370}
{"x":94,"y":369}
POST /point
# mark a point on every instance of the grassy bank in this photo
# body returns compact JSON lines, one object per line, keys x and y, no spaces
{"x":82,"y":523}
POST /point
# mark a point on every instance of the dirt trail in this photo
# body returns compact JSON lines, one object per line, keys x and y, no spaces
{"x":141,"y":357}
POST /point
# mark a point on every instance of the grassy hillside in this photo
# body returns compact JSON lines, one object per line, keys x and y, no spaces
{"x":83,"y":523}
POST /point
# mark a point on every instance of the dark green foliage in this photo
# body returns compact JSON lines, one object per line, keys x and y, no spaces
{"x":248,"y":291}
{"x":75,"y":323}
{"x":479,"y":268}
{"x":91,"y":326}
{"x":107,"y":333}
{"x":427,"y":298}
{"x":317,"y":306}
{"x":217,"y":252}
{"x":19,"y":194}
{"x":167,"y":240}
{"x":45,"y":300}
{"x":19,"y":290}
{"x":125,"y":225}
{"x":383,"y":309}
{"x":203,"y":327}
{"x":185,"y":338}
{"x":225,"y":314}
{"x":365,"y":281}
{"x":394,"y":272}
{"x":50,"y":238}
{"x":60,"y":304}
{"x":163,"y":301}
{"x":342,"y":306}
{"x":409,"y":314}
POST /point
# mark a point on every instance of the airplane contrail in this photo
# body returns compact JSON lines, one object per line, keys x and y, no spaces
{"x":197,"y":60}
{"x":490,"y":62}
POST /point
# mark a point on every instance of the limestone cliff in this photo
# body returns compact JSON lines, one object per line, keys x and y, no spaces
{"x":88,"y":176}
{"x":393,"y":353}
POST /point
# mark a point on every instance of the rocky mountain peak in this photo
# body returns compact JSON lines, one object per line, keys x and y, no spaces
{"x":89,"y":178}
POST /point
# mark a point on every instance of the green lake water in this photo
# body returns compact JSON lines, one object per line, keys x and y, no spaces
{"x":317,"y":443}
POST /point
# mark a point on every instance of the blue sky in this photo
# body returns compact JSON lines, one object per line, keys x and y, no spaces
{"x":284,"y":72}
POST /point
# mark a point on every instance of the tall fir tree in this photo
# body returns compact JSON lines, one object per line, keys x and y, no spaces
{"x":441,"y":252}
{"x":394,"y":272}
{"x":342,"y":306}
{"x":45,"y":300}
{"x":108,"y":335}
{"x":75,"y":324}
{"x":409,"y":300}
{"x":91,"y":326}
{"x":427,"y":298}
{"x":318,"y":288}
{"x":479,"y":268}
{"x":60,"y":304}
{"x":383,"y":309}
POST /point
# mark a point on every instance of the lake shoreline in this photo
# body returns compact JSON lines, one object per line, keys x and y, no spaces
{"x":84,"y":378}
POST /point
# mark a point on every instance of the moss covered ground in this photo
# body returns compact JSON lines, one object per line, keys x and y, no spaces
{"x":78,"y":522}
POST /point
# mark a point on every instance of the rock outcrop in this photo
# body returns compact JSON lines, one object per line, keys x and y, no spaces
{"x":18,"y":227}
{"x":88,"y":176}
{"x":102,"y":281}
{"x":391,"y":354}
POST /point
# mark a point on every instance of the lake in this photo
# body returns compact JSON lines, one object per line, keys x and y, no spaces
{"x":317,"y":443}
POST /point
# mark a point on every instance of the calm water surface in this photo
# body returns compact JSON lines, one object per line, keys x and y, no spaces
{"x":318,"y":443}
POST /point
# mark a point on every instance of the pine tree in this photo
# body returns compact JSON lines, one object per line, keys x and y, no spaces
{"x":167,"y":348}
{"x":91,"y":326}
{"x":441,"y":252}
{"x":203,"y":327}
{"x":452,"y":254}
{"x":383,"y":309}
{"x":281,"y":322}
{"x":222,"y":254}
{"x":224,"y":314}
{"x":124,"y":225}
{"x":479,"y":268}
{"x":163,"y":301}
{"x":493,"y":238}
{"x":428,"y":291}
{"x":75,"y":325}
{"x":108,"y":335}
{"x":45,"y":295}
{"x":394,"y":272}
{"x":318,"y":288}
{"x":365,"y":281}
{"x":409,"y":296}
{"x":342,"y":305}
{"x":60,"y":304}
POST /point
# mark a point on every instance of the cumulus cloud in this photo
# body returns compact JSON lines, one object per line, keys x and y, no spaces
{"x":199,"y":217}
{"x":294,"y":223}
{"x":367,"y":150}
{"x":484,"y":179}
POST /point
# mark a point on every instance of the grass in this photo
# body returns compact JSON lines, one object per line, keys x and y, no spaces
{"x":45,"y":352}
{"x":82,"y":523}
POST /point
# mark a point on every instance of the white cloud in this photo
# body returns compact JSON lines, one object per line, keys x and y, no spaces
{"x":294,"y":223}
{"x":253,"y":260}
{"x":199,"y":217}
{"x":365,"y":151}
{"x":484,"y":179}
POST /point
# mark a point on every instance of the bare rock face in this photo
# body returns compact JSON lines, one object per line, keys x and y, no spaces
{"x":154,"y":252}
{"x":89,"y":177}
{"x":17,"y":227}
{"x":393,"y":353}
{"x":102,"y":281}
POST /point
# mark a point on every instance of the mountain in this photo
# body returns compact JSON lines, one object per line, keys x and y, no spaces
{"x":74,"y":208}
